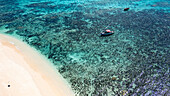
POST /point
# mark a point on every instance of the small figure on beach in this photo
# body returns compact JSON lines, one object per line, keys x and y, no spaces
{"x":9,"y":84}
{"x":106,"y":33}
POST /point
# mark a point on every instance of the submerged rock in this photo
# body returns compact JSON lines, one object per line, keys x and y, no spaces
{"x":33,"y":40}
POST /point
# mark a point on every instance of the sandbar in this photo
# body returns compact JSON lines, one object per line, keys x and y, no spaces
{"x":25,"y":72}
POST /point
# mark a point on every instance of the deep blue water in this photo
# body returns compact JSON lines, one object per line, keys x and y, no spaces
{"x":134,"y":61}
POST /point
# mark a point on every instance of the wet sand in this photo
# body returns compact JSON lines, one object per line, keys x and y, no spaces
{"x":25,"y":72}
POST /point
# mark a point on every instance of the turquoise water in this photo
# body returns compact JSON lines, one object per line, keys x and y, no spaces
{"x":67,"y":32}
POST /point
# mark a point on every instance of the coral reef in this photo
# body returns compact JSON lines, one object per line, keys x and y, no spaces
{"x":134,"y":61}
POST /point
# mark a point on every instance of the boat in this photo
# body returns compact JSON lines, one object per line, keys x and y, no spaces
{"x":126,"y":9}
{"x":106,"y":33}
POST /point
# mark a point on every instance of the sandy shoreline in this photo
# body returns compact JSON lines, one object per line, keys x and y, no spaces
{"x":25,"y":72}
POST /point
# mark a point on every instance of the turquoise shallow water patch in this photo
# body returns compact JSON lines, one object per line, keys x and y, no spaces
{"x":77,"y":57}
{"x":152,"y":4}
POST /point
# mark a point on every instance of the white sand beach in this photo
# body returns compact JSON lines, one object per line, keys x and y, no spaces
{"x":25,"y":72}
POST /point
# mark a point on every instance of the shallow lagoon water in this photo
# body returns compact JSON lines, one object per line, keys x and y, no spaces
{"x":67,"y":33}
